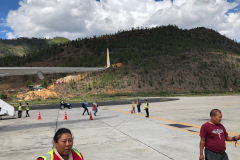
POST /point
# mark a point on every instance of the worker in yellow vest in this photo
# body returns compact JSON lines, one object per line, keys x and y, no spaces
{"x":146,"y":108}
{"x":27,"y":110}
{"x":133,"y":106}
{"x":63,"y":147}
{"x":20,"y":110}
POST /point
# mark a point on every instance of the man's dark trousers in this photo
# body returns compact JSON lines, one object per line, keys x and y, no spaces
{"x":19,"y":114}
{"x":85,"y":109}
{"x":210,"y":155}
{"x":138,"y":107}
{"x":147,"y":112}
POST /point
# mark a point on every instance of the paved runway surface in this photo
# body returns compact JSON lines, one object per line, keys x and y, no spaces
{"x":171,"y":132}
{"x":110,"y":103}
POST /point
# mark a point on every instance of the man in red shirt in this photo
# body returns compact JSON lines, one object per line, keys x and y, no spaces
{"x":213,"y":135}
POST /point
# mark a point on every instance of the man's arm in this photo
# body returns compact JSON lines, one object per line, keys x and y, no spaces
{"x":201,"y":146}
{"x":234,"y":138}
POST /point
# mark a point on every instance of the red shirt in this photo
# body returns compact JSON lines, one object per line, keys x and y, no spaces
{"x":75,"y":157}
{"x":214,"y":136}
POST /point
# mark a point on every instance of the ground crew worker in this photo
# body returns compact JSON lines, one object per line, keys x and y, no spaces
{"x":133,"y":106}
{"x":61,"y":103}
{"x":27,"y":110}
{"x":20,"y":110}
{"x":146,"y":108}
{"x":63,"y":147}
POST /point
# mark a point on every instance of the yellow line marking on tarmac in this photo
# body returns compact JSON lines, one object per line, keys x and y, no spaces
{"x":175,"y":122}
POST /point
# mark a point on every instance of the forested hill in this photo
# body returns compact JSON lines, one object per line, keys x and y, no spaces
{"x":164,"y":58}
{"x":22,"y":46}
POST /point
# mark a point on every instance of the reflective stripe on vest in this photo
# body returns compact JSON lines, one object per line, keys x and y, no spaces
{"x":19,"y":108}
{"x":146,"y":105}
{"x":77,"y":152}
{"x":49,"y":155}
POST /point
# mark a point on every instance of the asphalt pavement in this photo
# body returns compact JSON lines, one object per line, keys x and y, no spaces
{"x":171,"y":131}
{"x":109,"y":103}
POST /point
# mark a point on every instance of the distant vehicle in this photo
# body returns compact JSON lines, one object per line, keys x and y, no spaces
{"x":65,"y":105}
{"x":40,"y":71}
{"x":6,"y":109}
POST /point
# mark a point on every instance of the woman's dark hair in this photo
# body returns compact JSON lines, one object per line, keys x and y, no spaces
{"x":59,"y":133}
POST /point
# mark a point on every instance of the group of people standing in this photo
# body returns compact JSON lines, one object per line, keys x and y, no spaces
{"x":146,"y":107}
{"x":84,"y":105}
{"x":20,"y":109}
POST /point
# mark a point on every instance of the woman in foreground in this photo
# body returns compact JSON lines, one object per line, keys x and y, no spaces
{"x":63,"y":147}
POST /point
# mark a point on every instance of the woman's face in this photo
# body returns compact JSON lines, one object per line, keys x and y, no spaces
{"x":64,"y":144}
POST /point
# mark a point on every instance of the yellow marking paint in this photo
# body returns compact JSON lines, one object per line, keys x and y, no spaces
{"x":161,"y":119}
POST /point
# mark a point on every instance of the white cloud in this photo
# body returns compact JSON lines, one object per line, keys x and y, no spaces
{"x":238,"y":1}
{"x":10,"y":35}
{"x":3,"y":31}
{"x":85,"y":18}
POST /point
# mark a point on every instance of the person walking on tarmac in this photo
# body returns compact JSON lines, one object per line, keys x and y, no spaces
{"x":63,"y":147}
{"x":20,"y":110}
{"x":96,"y":108}
{"x":85,"y":107}
{"x":146,"y":108}
{"x":27,"y":110}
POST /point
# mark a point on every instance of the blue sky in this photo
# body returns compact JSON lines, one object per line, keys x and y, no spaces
{"x":5,"y":6}
{"x":81,"y":18}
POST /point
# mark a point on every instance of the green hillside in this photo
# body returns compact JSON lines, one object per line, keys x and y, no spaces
{"x":22,"y":46}
{"x":161,"y":59}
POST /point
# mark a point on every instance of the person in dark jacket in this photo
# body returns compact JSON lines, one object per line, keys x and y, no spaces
{"x":85,"y":107}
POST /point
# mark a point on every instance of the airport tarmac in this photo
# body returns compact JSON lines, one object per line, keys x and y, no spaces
{"x":171,"y":132}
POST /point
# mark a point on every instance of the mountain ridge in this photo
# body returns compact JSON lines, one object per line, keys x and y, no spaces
{"x":160,"y":59}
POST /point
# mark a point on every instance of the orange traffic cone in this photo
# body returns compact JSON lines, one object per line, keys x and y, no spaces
{"x":91,"y":116}
{"x":39,"y":116}
{"x":65,"y":117}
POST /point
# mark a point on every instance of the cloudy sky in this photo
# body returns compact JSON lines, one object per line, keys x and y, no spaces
{"x":85,"y":18}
